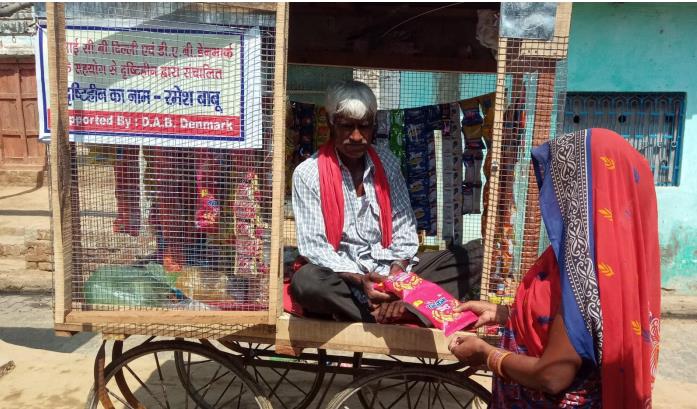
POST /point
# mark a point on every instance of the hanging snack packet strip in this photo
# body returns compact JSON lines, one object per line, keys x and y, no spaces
{"x":429,"y":299}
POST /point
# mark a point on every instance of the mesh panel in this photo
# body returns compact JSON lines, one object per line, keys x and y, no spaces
{"x":531,"y":89}
{"x":171,"y":155}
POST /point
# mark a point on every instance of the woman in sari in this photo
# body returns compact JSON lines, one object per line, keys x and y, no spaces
{"x":583,"y":329}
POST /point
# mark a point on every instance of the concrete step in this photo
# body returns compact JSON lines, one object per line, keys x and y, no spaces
{"x":678,"y":305}
{"x":12,"y":245}
{"x":15,"y":277}
{"x":22,"y":177}
{"x":11,"y":230}
{"x":27,"y":233}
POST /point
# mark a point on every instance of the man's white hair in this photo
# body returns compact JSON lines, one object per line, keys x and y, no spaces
{"x":352,"y":99}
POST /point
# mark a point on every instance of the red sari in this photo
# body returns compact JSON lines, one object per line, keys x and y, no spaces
{"x":598,"y":203}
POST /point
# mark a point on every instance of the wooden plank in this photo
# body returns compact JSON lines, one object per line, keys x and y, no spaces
{"x":60,"y":161}
{"x":363,"y":337}
{"x":278,"y":165}
{"x":493,"y":200}
{"x":258,"y":333}
{"x":138,"y":317}
{"x":297,"y":333}
{"x":562,"y":24}
{"x":20,"y":120}
{"x":36,"y":150}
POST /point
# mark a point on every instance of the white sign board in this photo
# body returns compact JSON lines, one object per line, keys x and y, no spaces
{"x":144,"y":86}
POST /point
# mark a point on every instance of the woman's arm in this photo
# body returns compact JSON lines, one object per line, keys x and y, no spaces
{"x":552,"y":373}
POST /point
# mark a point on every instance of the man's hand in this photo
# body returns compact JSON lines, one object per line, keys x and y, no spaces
{"x":390,"y":312}
{"x":374,"y":296}
{"x":365,"y":282}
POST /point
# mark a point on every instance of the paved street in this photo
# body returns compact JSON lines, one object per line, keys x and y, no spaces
{"x":56,"y":372}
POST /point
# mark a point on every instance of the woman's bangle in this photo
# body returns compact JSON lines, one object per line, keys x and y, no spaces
{"x":495,"y":359}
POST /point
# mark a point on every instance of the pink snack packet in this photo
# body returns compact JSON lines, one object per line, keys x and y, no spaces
{"x":429,"y":299}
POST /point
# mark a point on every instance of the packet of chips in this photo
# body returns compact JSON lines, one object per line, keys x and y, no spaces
{"x":471,"y":119}
{"x":429,"y":299}
{"x":487,"y":102}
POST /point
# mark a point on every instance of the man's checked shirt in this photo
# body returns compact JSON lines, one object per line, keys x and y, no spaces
{"x":360,"y":250}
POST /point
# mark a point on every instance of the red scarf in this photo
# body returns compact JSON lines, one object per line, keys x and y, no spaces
{"x":332,"y":195}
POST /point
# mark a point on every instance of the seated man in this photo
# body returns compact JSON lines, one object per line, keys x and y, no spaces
{"x":355,"y":223}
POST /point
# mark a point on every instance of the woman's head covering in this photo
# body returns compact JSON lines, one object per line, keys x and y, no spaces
{"x":598,"y":203}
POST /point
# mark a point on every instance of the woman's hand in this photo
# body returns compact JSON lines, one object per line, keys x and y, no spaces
{"x":470,"y":350}
{"x":488,"y":313}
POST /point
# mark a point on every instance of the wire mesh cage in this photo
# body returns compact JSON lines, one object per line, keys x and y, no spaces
{"x":170,"y":160}
{"x":170,"y":191}
{"x":531,"y":88}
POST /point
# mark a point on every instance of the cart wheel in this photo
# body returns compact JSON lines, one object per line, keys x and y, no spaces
{"x":365,"y":366}
{"x":289,"y":382}
{"x":119,"y":378}
{"x":412,"y":388}
{"x":150,"y":379}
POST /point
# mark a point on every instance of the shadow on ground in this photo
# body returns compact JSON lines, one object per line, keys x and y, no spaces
{"x":44,"y":338}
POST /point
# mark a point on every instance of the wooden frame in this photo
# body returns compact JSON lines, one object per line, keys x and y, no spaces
{"x":60,"y":157}
{"x":497,"y":136}
{"x":296,"y":333}
{"x":174,"y":317}
{"x":66,"y":320}
{"x":279,"y":133}
{"x":530,"y":50}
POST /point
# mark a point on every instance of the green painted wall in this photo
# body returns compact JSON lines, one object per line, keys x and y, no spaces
{"x":648,"y":47}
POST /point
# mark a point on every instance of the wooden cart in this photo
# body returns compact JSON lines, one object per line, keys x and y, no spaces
{"x":263,"y":357}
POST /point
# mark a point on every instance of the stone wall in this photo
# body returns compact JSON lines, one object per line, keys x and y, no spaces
{"x":16,"y":32}
{"x":39,"y":250}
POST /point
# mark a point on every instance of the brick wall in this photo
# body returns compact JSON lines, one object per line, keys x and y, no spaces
{"x":39,"y":250}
